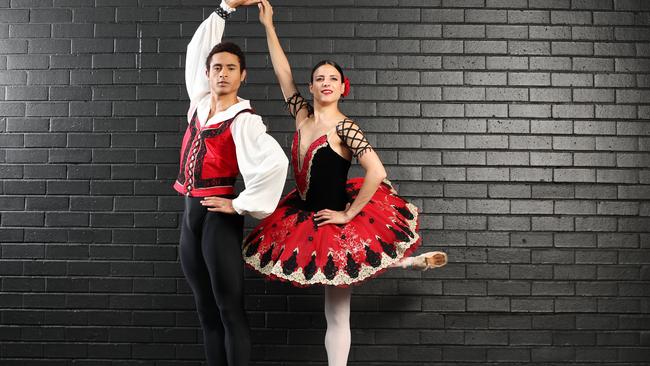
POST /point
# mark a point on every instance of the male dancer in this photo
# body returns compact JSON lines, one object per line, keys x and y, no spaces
{"x":224,"y":137}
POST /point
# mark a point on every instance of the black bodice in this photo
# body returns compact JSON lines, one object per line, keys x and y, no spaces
{"x":329,"y":174}
{"x":322,"y":177}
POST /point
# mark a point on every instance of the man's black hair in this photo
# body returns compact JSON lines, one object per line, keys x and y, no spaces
{"x":230,"y":48}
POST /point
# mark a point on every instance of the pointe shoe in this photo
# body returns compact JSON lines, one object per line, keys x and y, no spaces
{"x":428,"y":260}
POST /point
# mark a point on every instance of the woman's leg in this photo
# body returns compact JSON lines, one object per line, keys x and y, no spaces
{"x":337,"y":314}
{"x":423,"y":261}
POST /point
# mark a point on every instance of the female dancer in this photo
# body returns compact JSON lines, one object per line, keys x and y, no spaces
{"x":316,"y":235}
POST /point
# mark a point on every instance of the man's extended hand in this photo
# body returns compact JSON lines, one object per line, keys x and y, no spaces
{"x":218,"y":204}
{"x":235,"y":3}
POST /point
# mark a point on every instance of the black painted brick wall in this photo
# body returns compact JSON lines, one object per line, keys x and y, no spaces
{"x":520,"y":127}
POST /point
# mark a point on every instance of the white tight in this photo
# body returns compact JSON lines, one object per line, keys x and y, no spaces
{"x":337,"y":314}
{"x":403,"y":263}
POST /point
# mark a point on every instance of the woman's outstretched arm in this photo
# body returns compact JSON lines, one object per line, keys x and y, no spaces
{"x":281,"y":65}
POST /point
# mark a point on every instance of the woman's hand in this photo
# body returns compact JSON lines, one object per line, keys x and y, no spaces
{"x":236,"y":3}
{"x":333,"y":217}
{"x":218,"y":204}
{"x":266,"y":13}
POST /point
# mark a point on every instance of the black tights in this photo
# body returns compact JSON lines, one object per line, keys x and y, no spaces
{"x":210,"y":251}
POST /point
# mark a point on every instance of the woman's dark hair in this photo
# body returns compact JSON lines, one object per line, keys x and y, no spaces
{"x":230,"y":48}
{"x":326,"y":62}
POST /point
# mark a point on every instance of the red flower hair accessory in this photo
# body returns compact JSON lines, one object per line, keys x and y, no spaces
{"x":346,"y":91}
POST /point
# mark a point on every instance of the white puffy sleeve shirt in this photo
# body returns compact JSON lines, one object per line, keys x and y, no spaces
{"x":262,"y":163}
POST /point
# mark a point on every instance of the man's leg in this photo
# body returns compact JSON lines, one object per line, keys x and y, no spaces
{"x":198,"y":277}
{"x":221,"y":244}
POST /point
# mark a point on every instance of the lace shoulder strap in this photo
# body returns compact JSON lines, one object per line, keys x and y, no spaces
{"x":296,"y":102}
{"x":352,"y":136}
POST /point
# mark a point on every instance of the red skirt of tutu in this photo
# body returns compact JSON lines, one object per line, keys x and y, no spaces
{"x":289,"y":245}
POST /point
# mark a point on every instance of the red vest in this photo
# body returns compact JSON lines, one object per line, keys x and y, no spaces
{"x":208,"y":165}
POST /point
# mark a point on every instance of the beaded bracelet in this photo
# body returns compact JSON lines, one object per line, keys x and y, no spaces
{"x":222,"y":13}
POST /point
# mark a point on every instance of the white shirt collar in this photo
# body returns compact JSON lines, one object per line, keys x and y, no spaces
{"x":203,"y":109}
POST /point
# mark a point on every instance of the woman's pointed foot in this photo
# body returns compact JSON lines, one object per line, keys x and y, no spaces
{"x":427,"y":260}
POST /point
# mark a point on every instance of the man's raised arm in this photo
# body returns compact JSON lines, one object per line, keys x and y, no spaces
{"x":204,"y":39}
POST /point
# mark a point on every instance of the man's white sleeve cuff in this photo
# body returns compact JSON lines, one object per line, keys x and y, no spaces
{"x":225,"y":7}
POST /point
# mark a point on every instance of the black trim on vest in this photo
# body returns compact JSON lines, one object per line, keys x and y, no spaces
{"x":188,"y":147}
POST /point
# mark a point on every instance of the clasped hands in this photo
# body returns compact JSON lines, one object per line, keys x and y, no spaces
{"x":236,"y":3}
{"x":266,"y":10}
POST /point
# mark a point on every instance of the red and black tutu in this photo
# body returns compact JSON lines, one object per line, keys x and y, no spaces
{"x":288,"y":245}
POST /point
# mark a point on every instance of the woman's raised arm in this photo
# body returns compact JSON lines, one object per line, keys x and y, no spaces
{"x":298,"y":108}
